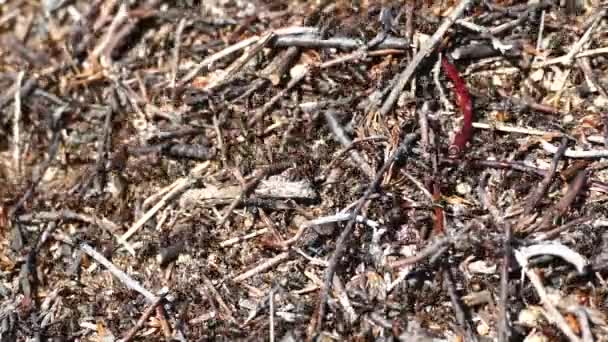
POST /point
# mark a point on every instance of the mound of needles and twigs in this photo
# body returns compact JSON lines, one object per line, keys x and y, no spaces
{"x":303,"y":170}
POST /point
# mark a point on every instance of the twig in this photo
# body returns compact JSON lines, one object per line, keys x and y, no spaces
{"x":142,"y":320}
{"x":551,"y":311}
{"x":271,"y":319}
{"x":233,"y":241}
{"x":345,"y":141}
{"x":554,"y":249}
{"x":583,"y":321}
{"x":270,"y":263}
{"x":345,"y":43}
{"x":51,"y":153}
{"x":67,"y":214}
{"x":222,"y":77}
{"x":514,"y":129}
{"x":341,"y":243}
{"x":207,"y":62}
{"x":569,"y":58}
{"x":176,"y":188}
{"x":176,"y":47}
{"x":428,"y":46}
{"x":461,"y":316}
{"x":298,"y":73}
{"x":504,"y":328}
{"x":564,"y":203}
{"x":277,"y":68}
{"x":544,"y":184}
{"x":427,"y":251}
{"x":123,"y":277}
{"x":17,"y":124}
{"x":447,"y":106}
{"x":550,"y":148}
{"x":218,"y":298}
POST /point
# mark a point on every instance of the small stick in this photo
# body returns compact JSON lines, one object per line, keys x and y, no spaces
{"x":461,"y":316}
{"x":17,"y":123}
{"x":564,"y":203}
{"x":338,"y":132}
{"x":239,"y":46}
{"x":317,"y":321}
{"x":271,"y":319}
{"x":177,"y":187}
{"x":426,"y":252}
{"x":269,"y":263}
{"x":428,"y":46}
{"x":142,"y":320}
{"x":444,"y":100}
{"x":551,"y":311}
{"x":218,"y":298}
{"x":226,"y":76}
{"x":233,"y":241}
{"x":550,"y":148}
{"x":544,"y":184}
{"x":300,"y":72}
{"x":569,"y":58}
{"x":314,"y":41}
{"x":123,"y":277}
{"x":164,"y":325}
{"x":504,"y":328}
{"x":514,"y":129}
{"x":177,"y":44}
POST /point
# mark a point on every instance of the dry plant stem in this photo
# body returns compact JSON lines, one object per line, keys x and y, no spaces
{"x":426,"y":252}
{"x":564,"y":203}
{"x":344,"y":43}
{"x":279,"y":66}
{"x":271,"y":319}
{"x":504,"y":327}
{"x":51,"y":153}
{"x":164,"y":325}
{"x":176,"y":188}
{"x":583,"y":321}
{"x":234,"y":241}
{"x":123,"y":277}
{"x":142,"y":320}
{"x":342,"y":239}
{"x":17,"y":124}
{"x":345,"y":141}
{"x":350,"y":147}
{"x":23,"y":90}
{"x":177,"y":42}
{"x":550,"y":148}
{"x":544,"y":184}
{"x":228,"y":74}
{"x":66,"y":214}
{"x":247,"y":188}
{"x":302,"y":72}
{"x":207,"y":62}
{"x":218,"y":298}
{"x":268,"y":264}
{"x":457,"y":306}
{"x":585,"y":65}
{"x":551,"y":312}
{"x":554,"y":249}
{"x":426,"y":49}
{"x":514,"y":129}
{"x":574,"y":50}
{"x":553,"y":233}
{"x":120,"y":18}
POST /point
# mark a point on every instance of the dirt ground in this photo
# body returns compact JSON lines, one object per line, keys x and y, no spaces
{"x":303,"y":170}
